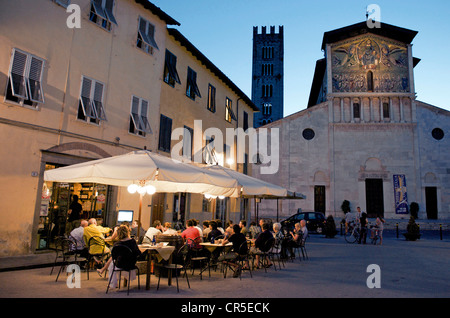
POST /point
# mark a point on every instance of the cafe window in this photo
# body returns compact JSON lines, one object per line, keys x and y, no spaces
{"x":24,"y":85}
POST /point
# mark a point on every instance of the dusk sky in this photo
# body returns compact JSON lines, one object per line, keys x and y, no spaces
{"x":223,"y":32}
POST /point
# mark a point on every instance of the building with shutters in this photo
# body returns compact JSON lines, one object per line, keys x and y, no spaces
{"x":364,"y":137}
{"x":121,"y":82}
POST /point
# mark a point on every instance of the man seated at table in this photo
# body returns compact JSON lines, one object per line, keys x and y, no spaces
{"x":99,"y":231}
{"x":192,"y":235}
{"x":239,"y":248}
{"x":262,"y":243}
{"x":152,"y":231}
{"x":77,"y":235}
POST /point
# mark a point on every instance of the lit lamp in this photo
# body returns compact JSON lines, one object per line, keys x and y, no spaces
{"x":141,"y":189}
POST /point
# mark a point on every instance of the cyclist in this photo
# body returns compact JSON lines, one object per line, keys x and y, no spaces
{"x":363,"y":222}
{"x":378,"y":227}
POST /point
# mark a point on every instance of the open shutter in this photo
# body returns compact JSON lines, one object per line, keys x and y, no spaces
{"x":109,"y":6}
{"x":144,"y":124}
{"x":35,"y":80}
{"x":98,"y":108}
{"x":18,"y":81}
{"x":86,"y":96}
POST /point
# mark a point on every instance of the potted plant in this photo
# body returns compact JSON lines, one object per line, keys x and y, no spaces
{"x":413,"y":231}
{"x":330,"y":227}
{"x":414,"y":209}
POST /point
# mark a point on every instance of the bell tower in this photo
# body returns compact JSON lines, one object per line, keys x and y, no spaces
{"x":267,"y":71}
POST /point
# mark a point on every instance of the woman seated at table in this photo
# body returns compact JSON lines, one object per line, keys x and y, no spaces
{"x":296,"y":237}
{"x":239,"y":248}
{"x":124,"y":239}
{"x":214,"y":233}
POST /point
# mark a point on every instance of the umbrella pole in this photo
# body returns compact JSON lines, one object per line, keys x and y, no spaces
{"x":139,"y":216}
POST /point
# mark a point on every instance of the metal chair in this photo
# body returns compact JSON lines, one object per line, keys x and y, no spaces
{"x":97,"y":249}
{"x":181,"y":262}
{"x":67,"y":253}
{"x":264,"y":252}
{"x":195,"y":255}
{"x":242,"y":258}
{"x":123,"y":261}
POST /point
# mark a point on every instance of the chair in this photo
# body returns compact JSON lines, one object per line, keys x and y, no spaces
{"x":242,"y":258}
{"x":181,"y":262}
{"x":275,"y":251}
{"x":97,"y":248}
{"x":301,"y":248}
{"x":194,"y":256}
{"x":122,"y":258}
{"x":65,"y":249}
{"x":264,"y":252}
{"x":58,"y":250}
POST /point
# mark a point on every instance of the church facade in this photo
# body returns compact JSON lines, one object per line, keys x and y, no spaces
{"x":364,"y":136}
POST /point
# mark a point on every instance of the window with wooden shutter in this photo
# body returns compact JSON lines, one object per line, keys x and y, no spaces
{"x":165,"y":133}
{"x":191,"y":84}
{"x":91,"y":106}
{"x":139,"y":123}
{"x":170,"y":69}
{"x":25,"y":79}
{"x":146,"y":36}
{"x":102,"y":13}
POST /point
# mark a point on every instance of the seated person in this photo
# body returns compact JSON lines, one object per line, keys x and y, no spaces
{"x":239,"y":248}
{"x":93,"y":230}
{"x":123,"y":233}
{"x":134,"y":231}
{"x":168,"y":230}
{"x":262,"y":243}
{"x":192,"y":235}
{"x":77,"y":235}
{"x":152,"y":231}
{"x":214,"y":232}
{"x":296,"y":238}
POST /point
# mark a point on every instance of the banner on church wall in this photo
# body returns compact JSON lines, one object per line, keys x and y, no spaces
{"x":400,"y":194}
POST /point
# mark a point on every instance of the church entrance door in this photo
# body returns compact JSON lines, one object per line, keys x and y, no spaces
{"x":431,"y":202}
{"x":374,"y":198}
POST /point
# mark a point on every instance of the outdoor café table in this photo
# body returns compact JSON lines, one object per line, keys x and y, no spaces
{"x":160,"y":253}
{"x":211,"y":247}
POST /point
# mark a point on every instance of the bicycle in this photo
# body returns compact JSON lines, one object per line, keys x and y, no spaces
{"x":352,"y":234}
{"x":376,"y":235}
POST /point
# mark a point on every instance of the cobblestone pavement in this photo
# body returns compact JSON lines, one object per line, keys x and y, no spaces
{"x":335,"y":269}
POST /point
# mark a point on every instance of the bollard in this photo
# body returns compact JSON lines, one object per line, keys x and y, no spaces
{"x":440,"y":231}
{"x":396,"y":225}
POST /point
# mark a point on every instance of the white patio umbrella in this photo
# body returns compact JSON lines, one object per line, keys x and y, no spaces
{"x":250,"y":187}
{"x":144,"y":171}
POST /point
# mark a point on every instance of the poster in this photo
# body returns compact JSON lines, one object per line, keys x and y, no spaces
{"x":400,"y":194}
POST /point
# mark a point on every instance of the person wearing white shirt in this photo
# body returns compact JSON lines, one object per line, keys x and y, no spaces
{"x":152,"y":231}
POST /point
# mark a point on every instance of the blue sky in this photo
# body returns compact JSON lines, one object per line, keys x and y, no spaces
{"x":223,"y":31}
